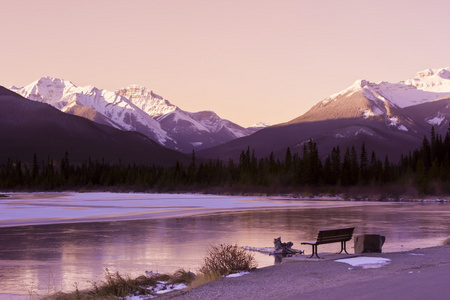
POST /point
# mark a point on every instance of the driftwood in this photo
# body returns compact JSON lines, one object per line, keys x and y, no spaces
{"x":284,"y":248}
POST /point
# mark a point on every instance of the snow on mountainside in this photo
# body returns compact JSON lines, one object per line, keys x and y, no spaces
{"x":121,"y":113}
{"x":389,"y":118}
{"x":136,"y":108}
{"x":197,"y":130}
{"x":384,"y":101}
{"x":260,"y":125}
{"x":153,"y":104}
{"x":160,"y":109}
{"x":428,"y":85}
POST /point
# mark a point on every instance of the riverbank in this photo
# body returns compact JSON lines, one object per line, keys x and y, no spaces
{"x":417,"y":274}
{"x":89,"y":232}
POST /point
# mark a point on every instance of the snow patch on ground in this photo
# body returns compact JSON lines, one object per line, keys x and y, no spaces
{"x":163,"y":287}
{"x":238,"y":274}
{"x":139,"y":297}
{"x":365,"y":262}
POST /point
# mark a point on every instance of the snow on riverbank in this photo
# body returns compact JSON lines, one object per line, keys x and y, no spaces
{"x":47,"y":208}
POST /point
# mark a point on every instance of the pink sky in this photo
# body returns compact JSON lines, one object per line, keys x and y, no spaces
{"x":249,"y":61}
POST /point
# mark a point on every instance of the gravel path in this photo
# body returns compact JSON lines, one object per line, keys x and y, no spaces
{"x":409,"y":275}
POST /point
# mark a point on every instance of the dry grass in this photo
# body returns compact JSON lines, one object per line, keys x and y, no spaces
{"x":219,"y":261}
{"x":202,"y":279}
{"x":117,"y":286}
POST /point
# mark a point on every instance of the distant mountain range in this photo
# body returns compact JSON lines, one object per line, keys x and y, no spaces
{"x":136,"y":108}
{"x":29,"y":127}
{"x":390,"y":118}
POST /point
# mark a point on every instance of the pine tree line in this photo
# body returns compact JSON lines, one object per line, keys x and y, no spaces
{"x":425,"y":167}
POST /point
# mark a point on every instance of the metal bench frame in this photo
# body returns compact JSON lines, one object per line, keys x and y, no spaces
{"x":327,"y":236}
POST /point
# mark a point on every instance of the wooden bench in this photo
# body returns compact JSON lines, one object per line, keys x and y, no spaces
{"x":332,"y":236}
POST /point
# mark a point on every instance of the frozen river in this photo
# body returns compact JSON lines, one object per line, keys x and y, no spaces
{"x":50,"y":242}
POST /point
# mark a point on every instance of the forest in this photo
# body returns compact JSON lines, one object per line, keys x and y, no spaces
{"x":425,"y":170}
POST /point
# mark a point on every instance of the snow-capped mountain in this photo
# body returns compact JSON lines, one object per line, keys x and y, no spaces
{"x":116,"y":111}
{"x":391,"y":118}
{"x":190,"y":130}
{"x":151,"y":103}
{"x":385,"y":100}
{"x":136,"y":108}
{"x":29,"y":128}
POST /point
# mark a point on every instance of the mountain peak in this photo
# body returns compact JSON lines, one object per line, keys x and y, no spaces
{"x":360,"y":83}
{"x":260,"y":125}
{"x":137,"y":90}
{"x":443,"y":73}
{"x":151,"y":103}
{"x":48,"y":81}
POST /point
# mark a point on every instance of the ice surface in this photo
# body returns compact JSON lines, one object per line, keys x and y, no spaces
{"x":76,"y":207}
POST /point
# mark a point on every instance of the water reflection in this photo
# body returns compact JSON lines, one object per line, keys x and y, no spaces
{"x":55,"y":257}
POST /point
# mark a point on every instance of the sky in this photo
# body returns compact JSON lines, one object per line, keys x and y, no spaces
{"x":249,"y":61}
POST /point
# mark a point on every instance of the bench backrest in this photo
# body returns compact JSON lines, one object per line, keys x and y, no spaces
{"x":335,"y":235}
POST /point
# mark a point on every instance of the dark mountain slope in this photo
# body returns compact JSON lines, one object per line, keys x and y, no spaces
{"x":28,"y":127}
{"x":436,"y":113}
{"x":327,"y":134}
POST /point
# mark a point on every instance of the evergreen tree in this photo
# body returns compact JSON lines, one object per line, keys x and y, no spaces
{"x":35,"y":168}
{"x":346,"y":177}
{"x":354,"y":167}
{"x":363,"y":166}
{"x":336,"y":164}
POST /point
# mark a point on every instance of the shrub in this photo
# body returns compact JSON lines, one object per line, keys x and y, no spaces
{"x":447,"y":241}
{"x":226,"y":259}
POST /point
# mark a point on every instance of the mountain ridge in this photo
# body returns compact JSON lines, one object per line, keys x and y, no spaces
{"x":29,"y":127}
{"x":389,"y":118}
{"x":136,"y":108}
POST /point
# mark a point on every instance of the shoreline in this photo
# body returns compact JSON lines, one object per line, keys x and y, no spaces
{"x":186,"y":212}
{"x":150,"y":206}
{"x":162,"y":212}
{"x":409,"y":275}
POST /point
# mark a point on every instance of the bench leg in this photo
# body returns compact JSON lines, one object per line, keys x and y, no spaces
{"x":314,"y":251}
{"x":343,"y":247}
